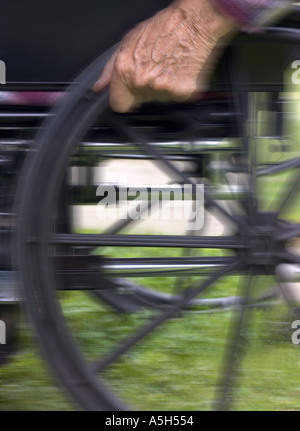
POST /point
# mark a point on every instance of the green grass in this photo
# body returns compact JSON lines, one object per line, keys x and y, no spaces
{"x":176,"y":368}
{"x":27,"y":383}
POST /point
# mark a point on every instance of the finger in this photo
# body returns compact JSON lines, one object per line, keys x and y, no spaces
{"x":121,"y":98}
{"x":106,"y":75}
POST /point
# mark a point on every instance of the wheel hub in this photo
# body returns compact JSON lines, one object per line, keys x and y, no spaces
{"x":260,"y":244}
{"x":259,"y":248}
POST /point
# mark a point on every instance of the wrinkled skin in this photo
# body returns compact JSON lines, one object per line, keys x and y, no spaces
{"x":169,"y":57}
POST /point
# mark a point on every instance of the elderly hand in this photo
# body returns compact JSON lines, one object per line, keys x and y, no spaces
{"x":166,"y":58}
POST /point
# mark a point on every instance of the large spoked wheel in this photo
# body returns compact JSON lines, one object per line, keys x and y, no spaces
{"x":112,"y":361}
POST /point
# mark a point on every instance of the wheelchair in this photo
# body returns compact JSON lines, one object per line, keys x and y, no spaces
{"x":104,"y":299}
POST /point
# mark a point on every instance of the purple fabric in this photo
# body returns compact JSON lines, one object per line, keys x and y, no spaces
{"x":29,"y":98}
{"x":250,"y":13}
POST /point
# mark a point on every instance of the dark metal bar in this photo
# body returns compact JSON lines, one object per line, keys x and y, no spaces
{"x":179,"y":241}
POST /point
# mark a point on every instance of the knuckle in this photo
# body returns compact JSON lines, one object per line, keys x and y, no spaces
{"x":182,"y":94}
{"x":139,"y":81}
{"x":172,"y":90}
{"x":119,"y":67}
{"x":161,"y":85}
{"x":122,"y":66}
{"x":184,"y":91}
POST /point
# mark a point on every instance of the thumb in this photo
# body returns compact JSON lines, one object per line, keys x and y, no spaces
{"x":105,"y":77}
{"x":121,"y":98}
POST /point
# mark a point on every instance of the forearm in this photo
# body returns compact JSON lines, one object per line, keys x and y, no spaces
{"x":249,"y":14}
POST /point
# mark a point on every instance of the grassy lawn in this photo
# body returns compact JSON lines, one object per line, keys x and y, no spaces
{"x":176,"y":368}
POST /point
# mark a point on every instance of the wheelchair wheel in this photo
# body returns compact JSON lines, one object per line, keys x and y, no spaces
{"x":237,"y":165}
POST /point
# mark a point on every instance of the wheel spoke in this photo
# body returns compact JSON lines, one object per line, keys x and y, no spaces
{"x":86,"y":272}
{"x":287,"y":196}
{"x":292,"y":231}
{"x":279,"y":167}
{"x":179,"y":175}
{"x":144,"y":207}
{"x":177,"y":241}
{"x":153,"y":323}
{"x":235,"y":349}
{"x":235,"y":77}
